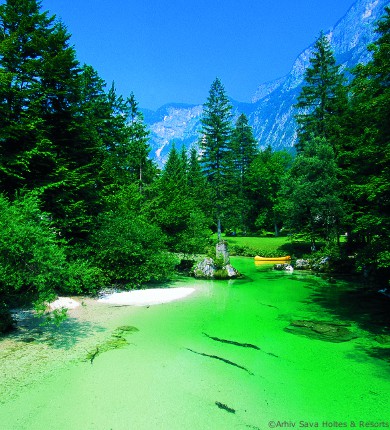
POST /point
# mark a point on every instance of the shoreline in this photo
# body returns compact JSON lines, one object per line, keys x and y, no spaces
{"x":34,"y":350}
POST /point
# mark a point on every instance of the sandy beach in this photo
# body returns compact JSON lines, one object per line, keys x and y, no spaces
{"x":34,"y":349}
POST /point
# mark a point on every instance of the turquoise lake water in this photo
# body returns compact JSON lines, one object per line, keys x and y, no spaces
{"x":178,"y":373}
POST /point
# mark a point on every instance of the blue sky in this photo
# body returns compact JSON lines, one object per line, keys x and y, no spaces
{"x":172,"y":50}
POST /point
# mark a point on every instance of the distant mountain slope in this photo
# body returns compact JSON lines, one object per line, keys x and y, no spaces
{"x":271,"y":112}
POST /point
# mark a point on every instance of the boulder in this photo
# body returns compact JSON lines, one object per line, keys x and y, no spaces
{"x":302,"y":264}
{"x":284,"y":266}
{"x":205,"y":268}
{"x":321,"y":330}
{"x":222,"y":252}
{"x":231,"y":271}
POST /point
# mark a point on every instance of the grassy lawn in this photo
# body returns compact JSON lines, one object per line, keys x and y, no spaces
{"x":265,"y":246}
{"x":266,"y":243}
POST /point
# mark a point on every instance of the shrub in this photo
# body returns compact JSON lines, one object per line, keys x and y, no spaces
{"x":131,"y":249}
{"x":33,"y":258}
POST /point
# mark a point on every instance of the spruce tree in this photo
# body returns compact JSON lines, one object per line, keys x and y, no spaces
{"x":215,"y":142}
{"x":322,"y":98}
{"x":310,"y":197}
{"x":27,"y":154}
{"x":365,"y":153}
{"x":264,"y":182}
{"x":244,"y":151}
{"x":139,"y":162}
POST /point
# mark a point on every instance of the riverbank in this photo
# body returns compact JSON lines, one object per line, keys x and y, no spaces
{"x":219,"y":358}
{"x":36,"y":349}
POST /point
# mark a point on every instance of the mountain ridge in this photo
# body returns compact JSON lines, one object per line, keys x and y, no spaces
{"x":271,"y":112}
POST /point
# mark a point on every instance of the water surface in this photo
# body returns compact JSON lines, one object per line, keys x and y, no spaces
{"x":218,"y":359}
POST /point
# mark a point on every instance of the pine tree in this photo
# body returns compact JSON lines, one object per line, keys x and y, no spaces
{"x":322,"y":98}
{"x":264,"y":182}
{"x":215,"y":143}
{"x":139,"y":162}
{"x":172,"y":203}
{"x":365,"y":153}
{"x":25,"y":145}
{"x":244,"y":151}
{"x":310,"y":197}
{"x":197,"y":183}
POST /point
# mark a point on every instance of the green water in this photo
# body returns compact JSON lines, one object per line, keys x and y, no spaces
{"x":172,"y":373}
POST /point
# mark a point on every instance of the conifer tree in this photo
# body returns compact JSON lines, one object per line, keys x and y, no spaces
{"x":244,"y":151}
{"x":139,"y":162}
{"x":365,"y":152}
{"x":310,"y":197}
{"x":322,"y":98}
{"x":215,"y":143}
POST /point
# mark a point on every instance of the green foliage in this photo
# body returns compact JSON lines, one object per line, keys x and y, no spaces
{"x":215,"y":141}
{"x":264,"y":181}
{"x":132,"y":250}
{"x":33,"y":258}
{"x":310,"y":197}
{"x":177,"y":206}
{"x":323,"y":97}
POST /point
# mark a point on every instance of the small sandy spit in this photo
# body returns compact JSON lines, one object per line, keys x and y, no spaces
{"x":64,"y":302}
{"x":153,"y":296}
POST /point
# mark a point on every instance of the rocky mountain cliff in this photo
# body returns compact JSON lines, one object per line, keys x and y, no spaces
{"x":271,"y":112}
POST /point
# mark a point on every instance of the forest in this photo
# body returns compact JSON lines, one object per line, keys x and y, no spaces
{"x":83,"y":205}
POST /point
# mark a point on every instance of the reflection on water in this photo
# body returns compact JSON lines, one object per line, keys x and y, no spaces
{"x":222,"y":359}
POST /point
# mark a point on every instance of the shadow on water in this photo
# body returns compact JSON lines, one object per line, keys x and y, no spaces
{"x":368,"y":308}
{"x":360,"y":304}
{"x":32,"y":329}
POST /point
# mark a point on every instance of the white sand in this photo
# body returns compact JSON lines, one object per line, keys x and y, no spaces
{"x":64,"y":302}
{"x":153,"y":296}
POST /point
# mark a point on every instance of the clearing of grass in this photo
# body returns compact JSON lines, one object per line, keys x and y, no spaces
{"x":249,"y":246}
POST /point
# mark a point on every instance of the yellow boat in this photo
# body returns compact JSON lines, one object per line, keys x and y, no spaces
{"x":286,"y":258}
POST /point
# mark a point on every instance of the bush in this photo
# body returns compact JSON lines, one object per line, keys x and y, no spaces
{"x":33,"y":258}
{"x":132,"y":250}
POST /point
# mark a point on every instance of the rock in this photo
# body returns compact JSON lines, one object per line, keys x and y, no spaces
{"x":283,"y":266}
{"x":321,"y":265}
{"x":302,"y":264}
{"x":321,"y":330}
{"x":222,"y":252}
{"x":231,"y":271}
{"x":205,"y":268}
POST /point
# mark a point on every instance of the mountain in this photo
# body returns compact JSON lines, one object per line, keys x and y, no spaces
{"x":271,"y":113}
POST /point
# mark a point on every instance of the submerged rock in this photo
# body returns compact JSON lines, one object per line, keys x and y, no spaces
{"x":383,"y":339}
{"x":321,"y":330}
